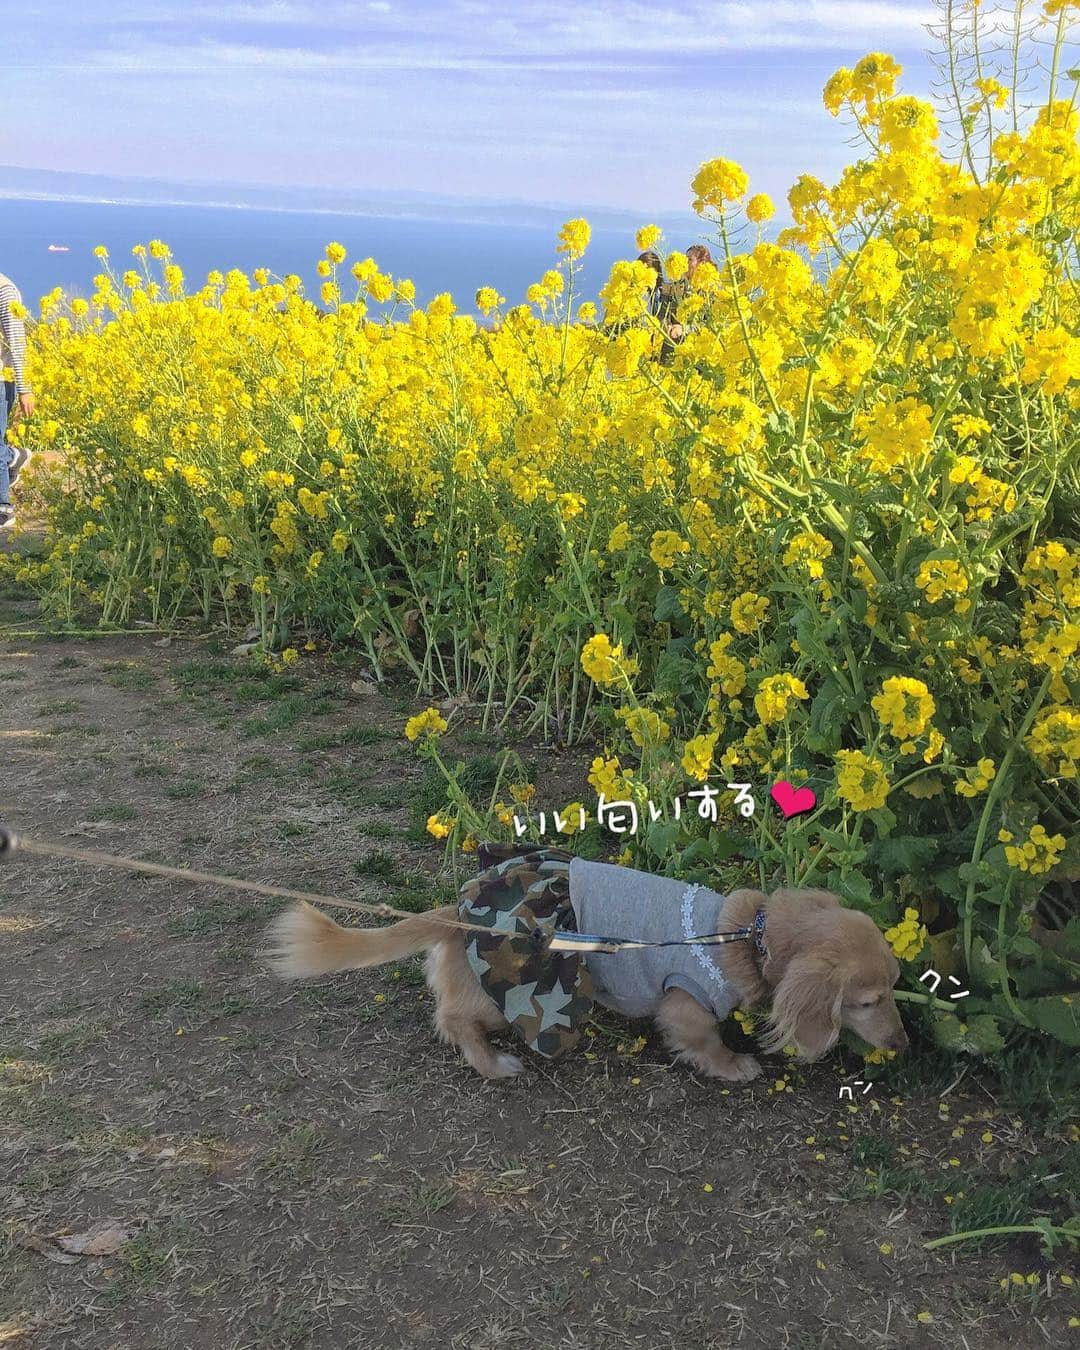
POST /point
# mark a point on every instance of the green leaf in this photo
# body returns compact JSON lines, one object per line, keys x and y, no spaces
{"x":717,"y":846}
{"x":830,"y":712}
{"x":834,"y":839}
{"x":983,"y":1035}
{"x":852,"y":887}
{"x":624,"y":624}
{"x":1058,"y":1015}
{"x":979,"y":1035}
{"x":668,"y":605}
{"x":1068,"y":943}
{"x":906,"y":853}
{"x":948,"y":1032}
{"x":673,"y":672}
{"x":661,"y":836}
{"x":883,"y":820}
{"x":1049,"y":1235}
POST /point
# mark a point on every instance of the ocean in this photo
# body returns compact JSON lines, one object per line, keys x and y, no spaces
{"x":438,"y":256}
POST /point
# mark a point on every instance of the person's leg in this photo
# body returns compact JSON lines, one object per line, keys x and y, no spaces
{"x":5,"y":450}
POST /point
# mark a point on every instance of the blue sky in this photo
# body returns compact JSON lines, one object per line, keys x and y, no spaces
{"x":609,"y":103}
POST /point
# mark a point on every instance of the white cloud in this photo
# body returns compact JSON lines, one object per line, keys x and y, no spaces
{"x":531,"y":95}
{"x":550,"y":28}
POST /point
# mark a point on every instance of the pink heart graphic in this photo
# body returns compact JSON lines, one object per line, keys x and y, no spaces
{"x":791,"y":800}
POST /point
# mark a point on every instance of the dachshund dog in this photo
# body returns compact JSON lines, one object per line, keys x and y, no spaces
{"x":825,"y":968}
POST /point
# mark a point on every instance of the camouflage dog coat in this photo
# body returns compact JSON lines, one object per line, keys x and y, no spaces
{"x":523,"y":894}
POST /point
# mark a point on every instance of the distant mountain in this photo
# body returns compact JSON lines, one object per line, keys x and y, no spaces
{"x":49,"y":184}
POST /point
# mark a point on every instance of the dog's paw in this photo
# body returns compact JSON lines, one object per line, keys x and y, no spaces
{"x":506,"y":1066}
{"x":743,"y":1069}
{"x":731,"y":1068}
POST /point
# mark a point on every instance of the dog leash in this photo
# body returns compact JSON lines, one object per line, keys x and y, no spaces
{"x":565,"y":941}
{"x":11,"y":843}
{"x":561,"y":939}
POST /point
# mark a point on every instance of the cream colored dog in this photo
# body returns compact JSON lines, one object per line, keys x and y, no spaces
{"x":827,"y":967}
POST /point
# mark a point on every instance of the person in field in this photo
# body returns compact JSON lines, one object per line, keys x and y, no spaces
{"x":661,"y":303}
{"x":696,"y":254}
{"x":18,"y":399}
{"x":657,"y":297}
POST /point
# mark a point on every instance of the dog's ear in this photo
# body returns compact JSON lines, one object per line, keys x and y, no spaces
{"x":806,"y":1006}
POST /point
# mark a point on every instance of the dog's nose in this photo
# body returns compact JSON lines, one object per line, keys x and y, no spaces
{"x":898,"y":1042}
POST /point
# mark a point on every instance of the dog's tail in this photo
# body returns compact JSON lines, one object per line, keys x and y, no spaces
{"x":303,"y":941}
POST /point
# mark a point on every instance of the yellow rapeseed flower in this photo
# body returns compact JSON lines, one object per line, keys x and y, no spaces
{"x":429,"y":724}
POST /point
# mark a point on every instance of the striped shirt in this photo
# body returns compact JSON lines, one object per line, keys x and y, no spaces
{"x":12,"y":334}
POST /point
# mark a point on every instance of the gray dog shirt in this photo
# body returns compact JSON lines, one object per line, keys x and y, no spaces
{"x":619,"y":902}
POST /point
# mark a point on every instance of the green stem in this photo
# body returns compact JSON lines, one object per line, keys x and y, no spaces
{"x":991,"y":802}
{"x":991,"y":1232}
{"x":927,"y":1000}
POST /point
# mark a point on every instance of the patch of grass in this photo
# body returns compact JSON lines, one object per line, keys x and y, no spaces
{"x":337,"y":740}
{"x":294,"y":1158}
{"x":408,"y":976}
{"x":293,"y":829}
{"x":380,"y":867}
{"x":232,"y":1005}
{"x":259,"y":764}
{"x":186,"y":787}
{"x":147,"y":1262}
{"x":882,"y":1173}
{"x":66,"y":663}
{"x":1041,"y":1186}
{"x":283,"y":714}
{"x":178,"y":994}
{"x":150,"y":771}
{"x":31,"y":1108}
{"x":207,"y":675}
{"x":475,"y":736}
{"x":47,"y":1175}
{"x":147,"y":1258}
{"x":58,"y":707}
{"x":244,"y":681}
{"x":428,"y":1199}
{"x":234,"y":952}
{"x":1022,"y":1191}
{"x":385,"y":796}
{"x":478,"y":778}
{"x":55,"y":1046}
{"x":383,"y":829}
{"x":76,"y":730}
{"x":354,"y":787}
{"x":419,"y":899}
{"x":112,"y":811}
{"x":343,"y":783}
{"x":268,"y":690}
{"x":131,"y":677}
{"x":219,"y":918}
{"x":1039,"y":1079}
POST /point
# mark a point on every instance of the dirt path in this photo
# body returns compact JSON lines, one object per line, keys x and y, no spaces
{"x":305,"y":1166}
